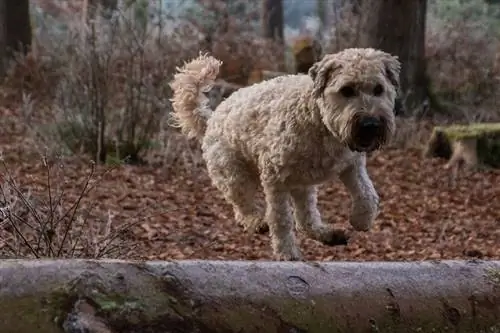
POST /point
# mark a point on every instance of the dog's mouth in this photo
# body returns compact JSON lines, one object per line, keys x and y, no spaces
{"x":365,"y":147}
{"x":368,"y":134}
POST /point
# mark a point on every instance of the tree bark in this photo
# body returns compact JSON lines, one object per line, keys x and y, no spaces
{"x":18,"y":24}
{"x":15,"y":31}
{"x":106,"y":8}
{"x":70,"y":296}
{"x":272,"y":19}
{"x":398,"y":27}
{"x":3,"y":41}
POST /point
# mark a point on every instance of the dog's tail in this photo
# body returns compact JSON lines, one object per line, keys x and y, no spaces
{"x":191,"y":109}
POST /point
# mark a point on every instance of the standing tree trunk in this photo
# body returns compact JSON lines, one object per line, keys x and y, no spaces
{"x":15,"y":30}
{"x":17,"y":19}
{"x":398,"y":27}
{"x":272,"y":19}
{"x":105,"y":7}
{"x":3,"y":42}
{"x":322,"y":11}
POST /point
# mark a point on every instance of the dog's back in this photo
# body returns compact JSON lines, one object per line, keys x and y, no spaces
{"x":252,"y":111}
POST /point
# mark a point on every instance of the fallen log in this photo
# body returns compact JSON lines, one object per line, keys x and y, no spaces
{"x":474,"y":145}
{"x":221,"y":297}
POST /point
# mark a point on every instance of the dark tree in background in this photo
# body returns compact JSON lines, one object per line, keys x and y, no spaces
{"x":17,"y":19}
{"x":107,"y":7}
{"x":322,"y":11}
{"x":3,"y":42}
{"x":15,"y":30}
{"x":398,"y":27}
{"x":272,"y":19}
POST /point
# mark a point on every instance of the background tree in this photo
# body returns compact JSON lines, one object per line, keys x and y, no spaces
{"x":2,"y":39}
{"x":272,"y":19}
{"x":106,"y":7}
{"x":15,"y":30}
{"x":322,"y":11}
{"x":398,"y":27}
{"x":18,"y":26}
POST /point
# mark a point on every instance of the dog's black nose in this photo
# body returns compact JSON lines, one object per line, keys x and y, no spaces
{"x":368,"y":130}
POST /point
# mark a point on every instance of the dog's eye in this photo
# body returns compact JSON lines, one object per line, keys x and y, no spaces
{"x":378,"y":90}
{"x":347,"y":91}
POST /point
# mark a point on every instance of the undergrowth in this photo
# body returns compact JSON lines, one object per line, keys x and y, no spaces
{"x":43,"y":221}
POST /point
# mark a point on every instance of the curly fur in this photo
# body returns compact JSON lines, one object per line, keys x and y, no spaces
{"x":289,"y":134}
{"x":190,"y":104}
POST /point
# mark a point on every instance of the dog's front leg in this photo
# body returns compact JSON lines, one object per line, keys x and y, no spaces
{"x":279,"y":219}
{"x":308,"y":218}
{"x":365,"y":200}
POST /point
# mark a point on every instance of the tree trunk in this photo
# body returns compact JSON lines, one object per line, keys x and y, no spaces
{"x":354,"y":7}
{"x":15,"y":31}
{"x":322,"y":11}
{"x":106,"y":8}
{"x":398,"y":27}
{"x":18,"y":27}
{"x":272,"y":19}
{"x":3,"y":43}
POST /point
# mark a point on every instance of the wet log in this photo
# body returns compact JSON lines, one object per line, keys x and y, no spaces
{"x":223,"y":296}
{"x":473,"y":146}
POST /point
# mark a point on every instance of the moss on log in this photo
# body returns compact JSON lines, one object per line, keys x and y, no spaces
{"x":473,"y":145}
{"x":225,"y":297}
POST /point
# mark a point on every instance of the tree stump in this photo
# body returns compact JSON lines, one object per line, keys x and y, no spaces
{"x":306,"y":51}
{"x":475,"y":145}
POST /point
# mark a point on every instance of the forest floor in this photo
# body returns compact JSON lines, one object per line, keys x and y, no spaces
{"x":173,"y":212}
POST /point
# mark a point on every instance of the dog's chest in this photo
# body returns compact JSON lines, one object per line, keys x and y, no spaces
{"x":315,"y":164}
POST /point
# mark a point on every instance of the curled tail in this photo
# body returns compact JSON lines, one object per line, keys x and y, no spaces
{"x":191,"y":109}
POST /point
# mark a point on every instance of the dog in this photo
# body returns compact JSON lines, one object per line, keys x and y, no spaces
{"x":287,"y":135}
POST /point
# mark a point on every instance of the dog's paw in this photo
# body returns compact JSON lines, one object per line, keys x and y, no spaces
{"x":262,"y":229}
{"x":335,"y":237}
{"x":292,"y":255}
{"x":255,"y":225}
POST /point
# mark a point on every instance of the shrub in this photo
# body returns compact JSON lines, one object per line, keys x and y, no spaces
{"x":462,"y":57}
{"x":42,"y":221}
{"x":107,"y":78}
{"x":111,"y":93}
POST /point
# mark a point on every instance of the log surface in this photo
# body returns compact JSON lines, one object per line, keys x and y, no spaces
{"x":240,"y":296}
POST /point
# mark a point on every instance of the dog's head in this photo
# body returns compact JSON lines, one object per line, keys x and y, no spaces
{"x":355,"y":91}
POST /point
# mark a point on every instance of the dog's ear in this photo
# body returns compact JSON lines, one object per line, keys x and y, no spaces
{"x":313,"y":71}
{"x":392,"y":69}
{"x":321,"y":73}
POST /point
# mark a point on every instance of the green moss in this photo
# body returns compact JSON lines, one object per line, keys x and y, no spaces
{"x":487,"y":137}
{"x":458,"y":132}
{"x":21,"y":313}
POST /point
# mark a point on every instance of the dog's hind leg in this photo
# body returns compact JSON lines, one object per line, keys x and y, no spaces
{"x":231,"y":175}
{"x":308,"y":218}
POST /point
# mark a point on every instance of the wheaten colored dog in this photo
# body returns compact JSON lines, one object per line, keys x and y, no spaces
{"x":291,"y":133}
